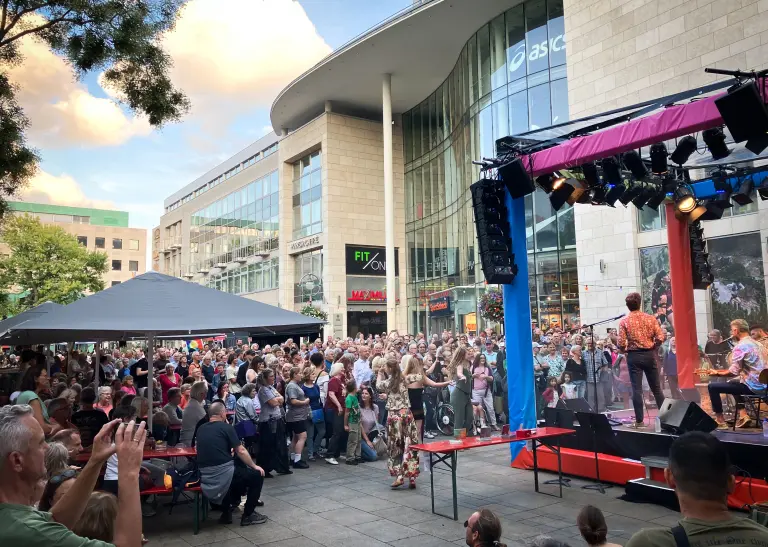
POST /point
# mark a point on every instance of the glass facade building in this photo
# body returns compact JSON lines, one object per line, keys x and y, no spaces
{"x":510,"y":78}
{"x":242,"y":224}
{"x":307,"y":196}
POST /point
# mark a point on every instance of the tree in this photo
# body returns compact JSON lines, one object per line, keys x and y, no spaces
{"x":119,"y":36}
{"x":46,"y":264}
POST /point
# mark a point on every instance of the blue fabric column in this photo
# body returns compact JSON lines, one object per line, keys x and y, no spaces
{"x":517,"y":331}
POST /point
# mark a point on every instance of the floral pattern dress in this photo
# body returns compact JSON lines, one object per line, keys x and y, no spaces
{"x":402,"y":461}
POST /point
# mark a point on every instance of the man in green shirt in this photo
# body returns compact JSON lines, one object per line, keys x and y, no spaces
{"x":700,"y":473}
{"x":22,"y":467}
{"x":352,"y":424}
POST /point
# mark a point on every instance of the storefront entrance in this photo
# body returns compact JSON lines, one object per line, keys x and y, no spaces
{"x":367,"y":322}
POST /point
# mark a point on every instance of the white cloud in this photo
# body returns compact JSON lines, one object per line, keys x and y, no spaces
{"x":59,"y":190}
{"x":237,"y":59}
{"x":62,"y":112}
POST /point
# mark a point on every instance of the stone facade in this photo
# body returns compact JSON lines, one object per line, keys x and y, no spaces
{"x":353,"y":203}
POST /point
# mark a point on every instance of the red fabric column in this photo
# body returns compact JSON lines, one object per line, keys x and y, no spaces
{"x":684,"y":314}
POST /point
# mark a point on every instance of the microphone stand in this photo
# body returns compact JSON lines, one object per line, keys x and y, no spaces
{"x":594,"y":349}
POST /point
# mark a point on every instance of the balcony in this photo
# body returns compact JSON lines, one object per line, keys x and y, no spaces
{"x":174,"y":242}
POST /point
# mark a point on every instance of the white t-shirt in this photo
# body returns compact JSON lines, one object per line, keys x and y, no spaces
{"x":111,"y":473}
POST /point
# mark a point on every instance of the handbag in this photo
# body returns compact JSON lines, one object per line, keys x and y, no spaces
{"x":318,"y":416}
{"x":245,"y":429}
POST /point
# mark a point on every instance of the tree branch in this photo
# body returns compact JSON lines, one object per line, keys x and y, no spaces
{"x":49,"y":24}
{"x":17,"y":17}
{"x":5,"y":13}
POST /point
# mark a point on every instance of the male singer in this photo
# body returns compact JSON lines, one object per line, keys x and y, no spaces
{"x":639,"y":336}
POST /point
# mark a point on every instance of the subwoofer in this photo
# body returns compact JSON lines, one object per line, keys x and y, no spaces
{"x":680,"y":417}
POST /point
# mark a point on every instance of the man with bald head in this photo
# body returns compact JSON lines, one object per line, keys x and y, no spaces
{"x":224,"y":477}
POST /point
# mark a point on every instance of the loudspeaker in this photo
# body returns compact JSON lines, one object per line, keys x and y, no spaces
{"x":558,"y":417}
{"x":746,"y":116}
{"x":677,"y":416}
{"x":516,"y":179}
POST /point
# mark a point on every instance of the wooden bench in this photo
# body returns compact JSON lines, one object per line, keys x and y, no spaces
{"x":201,"y":503}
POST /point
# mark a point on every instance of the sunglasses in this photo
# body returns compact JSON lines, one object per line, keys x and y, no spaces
{"x":66,"y":475}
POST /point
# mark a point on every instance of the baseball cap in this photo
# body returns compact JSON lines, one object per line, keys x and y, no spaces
{"x":536,"y":345}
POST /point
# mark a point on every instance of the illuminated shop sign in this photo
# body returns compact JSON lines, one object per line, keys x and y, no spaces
{"x":364,"y":260}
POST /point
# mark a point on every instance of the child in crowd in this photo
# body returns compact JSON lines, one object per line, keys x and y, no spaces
{"x":352,"y":424}
{"x":593,"y":527}
{"x":552,"y":394}
{"x":568,"y":387}
{"x":98,"y":519}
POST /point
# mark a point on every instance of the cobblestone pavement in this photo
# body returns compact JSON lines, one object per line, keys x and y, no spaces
{"x":353,"y":506}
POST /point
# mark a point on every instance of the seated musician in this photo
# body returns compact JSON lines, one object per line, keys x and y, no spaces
{"x":748,"y":360}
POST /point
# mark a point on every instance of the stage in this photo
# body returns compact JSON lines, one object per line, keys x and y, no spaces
{"x":620,"y":453}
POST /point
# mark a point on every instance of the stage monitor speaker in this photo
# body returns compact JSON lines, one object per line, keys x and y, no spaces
{"x":746,"y":116}
{"x":516,"y":179}
{"x":558,"y":417}
{"x":677,"y":416}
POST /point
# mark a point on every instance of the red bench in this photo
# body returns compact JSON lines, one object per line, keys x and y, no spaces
{"x":201,"y":504}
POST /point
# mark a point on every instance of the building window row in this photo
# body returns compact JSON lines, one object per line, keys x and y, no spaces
{"x":64,"y":219}
{"x":261,"y":276}
{"x":117,"y":244}
{"x":241,"y":224}
{"x":245,"y":164}
{"x":307,"y":196}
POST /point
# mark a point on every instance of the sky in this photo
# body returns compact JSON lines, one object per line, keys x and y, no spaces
{"x":231,"y":58}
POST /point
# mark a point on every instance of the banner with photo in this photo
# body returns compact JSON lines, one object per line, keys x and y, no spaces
{"x":738,"y":291}
{"x":655,"y":284}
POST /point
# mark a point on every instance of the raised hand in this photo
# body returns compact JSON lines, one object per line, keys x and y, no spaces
{"x":102,"y":447}
{"x":129,"y":445}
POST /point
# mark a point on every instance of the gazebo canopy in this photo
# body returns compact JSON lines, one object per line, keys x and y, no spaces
{"x":157,"y":304}
{"x":33,"y":313}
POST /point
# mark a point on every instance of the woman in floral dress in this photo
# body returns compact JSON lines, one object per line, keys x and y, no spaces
{"x":402,"y":461}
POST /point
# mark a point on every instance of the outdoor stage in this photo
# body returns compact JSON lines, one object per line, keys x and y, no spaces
{"x":619,"y":457}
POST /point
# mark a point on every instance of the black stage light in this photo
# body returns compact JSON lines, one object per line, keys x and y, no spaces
{"x":611,"y":171}
{"x":696,"y":214}
{"x":743,"y":195}
{"x":598,"y":195}
{"x":635,"y":164}
{"x":714,"y":211}
{"x":723,"y":189}
{"x":548,"y":182}
{"x":685,"y":202}
{"x":659,"y":158}
{"x":745,"y":114}
{"x":590,"y":174}
{"x":658,"y":197}
{"x":580,"y":192}
{"x":685,"y":147}
{"x":561,"y":193}
{"x":613,"y":193}
{"x":715,"y":141}
{"x":633,"y":190}
{"x":647,"y":192}
{"x":762,"y":190}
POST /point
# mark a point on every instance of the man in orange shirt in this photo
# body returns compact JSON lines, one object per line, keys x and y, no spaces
{"x":639,"y":335}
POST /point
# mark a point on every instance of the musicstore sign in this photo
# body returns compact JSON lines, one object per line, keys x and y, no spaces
{"x":365,"y":260}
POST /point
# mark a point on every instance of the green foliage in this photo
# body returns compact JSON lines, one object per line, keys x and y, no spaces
{"x":120,"y":37}
{"x":48,"y":263}
{"x":491,"y":305}
{"x":310,"y":311}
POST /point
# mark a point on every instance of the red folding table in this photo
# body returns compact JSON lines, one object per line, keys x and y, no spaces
{"x":444,"y":452}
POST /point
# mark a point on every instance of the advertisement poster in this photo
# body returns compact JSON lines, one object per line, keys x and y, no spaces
{"x":655,"y":283}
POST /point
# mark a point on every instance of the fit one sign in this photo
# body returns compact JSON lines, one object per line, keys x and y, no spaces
{"x":362,"y":260}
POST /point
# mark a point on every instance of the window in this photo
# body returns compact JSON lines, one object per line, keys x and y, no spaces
{"x":115,"y":283}
{"x":117,"y":243}
{"x":308,"y":271}
{"x":81,"y":220}
{"x":133,"y":265}
{"x":117,"y":265}
{"x":100,"y":243}
{"x":133,"y":244}
{"x":82,"y":240}
{"x":307,"y":196}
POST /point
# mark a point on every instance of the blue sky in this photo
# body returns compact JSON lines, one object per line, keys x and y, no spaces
{"x":231,"y":64}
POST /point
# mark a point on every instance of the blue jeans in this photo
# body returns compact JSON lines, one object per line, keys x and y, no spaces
{"x":581,"y":388}
{"x":367,"y":453}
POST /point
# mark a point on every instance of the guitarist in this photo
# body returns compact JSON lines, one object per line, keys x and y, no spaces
{"x":748,"y":360}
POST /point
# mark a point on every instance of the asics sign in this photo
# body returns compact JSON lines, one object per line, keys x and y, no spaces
{"x":538,"y":51}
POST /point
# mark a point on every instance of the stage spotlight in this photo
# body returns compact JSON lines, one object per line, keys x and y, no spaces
{"x":714,"y":211}
{"x":685,"y":202}
{"x":580,"y":194}
{"x":658,"y":197}
{"x":549,"y":182}
{"x":743,"y":195}
{"x":683,"y":150}
{"x":598,"y":195}
{"x":762,"y":190}
{"x":715,"y":141}
{"x":560,"y":195}
{"x":611,"y":171}
{"x":646,"y":192}
{"x":633,"y":190}
{"x":590,"y":174}
{"x":659,"y":158}
{"x":613,"y":193}
{"x":635,"y":164}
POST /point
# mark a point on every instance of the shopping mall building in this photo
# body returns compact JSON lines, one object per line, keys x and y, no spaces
{"x":404,"y":109}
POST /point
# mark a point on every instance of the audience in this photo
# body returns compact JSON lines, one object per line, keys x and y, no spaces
{"x":483,"y":529}
{"x":70,"y":438}
{"x":193,"y":412}
{"x":88,"y":419}
{"x":593,"y":527}
{"x":99,"y":517}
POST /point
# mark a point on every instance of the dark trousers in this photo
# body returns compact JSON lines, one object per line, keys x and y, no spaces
{"x":429,"y":418}
{"x":338,"y":440}
{"x":244,"y":481}
{"x":639,"y":363}
{"x":733,"y":387}
{"x":273,"y":452}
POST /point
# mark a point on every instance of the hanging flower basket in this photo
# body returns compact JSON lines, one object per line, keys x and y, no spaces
{"x":492,"y":306}
{"x":311,"y":311}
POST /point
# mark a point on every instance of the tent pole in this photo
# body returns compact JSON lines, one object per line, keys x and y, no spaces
{"x":97,"y":365}
{"x":150,"y":381}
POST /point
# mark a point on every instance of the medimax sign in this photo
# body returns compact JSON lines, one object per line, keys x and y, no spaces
{"x":364,"y":260}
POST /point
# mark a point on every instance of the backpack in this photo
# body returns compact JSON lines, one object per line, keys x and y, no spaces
{"x":183,"y":478}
